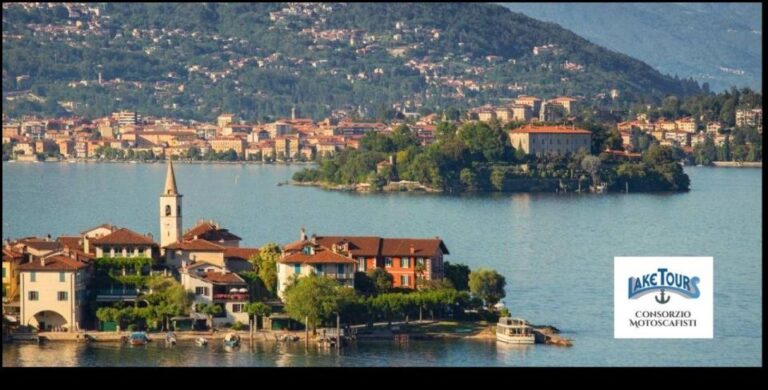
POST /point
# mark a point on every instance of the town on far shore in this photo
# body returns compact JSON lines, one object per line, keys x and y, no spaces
{"x":127,"y":135}
{"x":109,"y":279}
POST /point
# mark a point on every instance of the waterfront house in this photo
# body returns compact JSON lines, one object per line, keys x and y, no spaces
{"x":212,"y":284}
{"x":307,"y":257}
{"x":540,"y":140}
{"x":53,"y":292}
{"x":406,"y":259}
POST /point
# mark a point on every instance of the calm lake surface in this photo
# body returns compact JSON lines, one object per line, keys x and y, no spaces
{"x":556,"y":252}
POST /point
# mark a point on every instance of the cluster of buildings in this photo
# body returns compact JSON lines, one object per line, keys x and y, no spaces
{"x":50,"y":283}
{"x":285,"y":139}
{"x":528,"y":109}
{"x":687,"y":131}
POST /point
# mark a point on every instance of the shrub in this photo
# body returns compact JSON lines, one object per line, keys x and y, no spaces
{"x":237,"y":326}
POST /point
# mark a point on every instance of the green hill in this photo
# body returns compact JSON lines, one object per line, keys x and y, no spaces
{"x":715,"y":43}
{"x":197,"y":60}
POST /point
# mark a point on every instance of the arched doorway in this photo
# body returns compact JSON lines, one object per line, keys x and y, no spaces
{"x":48,"y":320}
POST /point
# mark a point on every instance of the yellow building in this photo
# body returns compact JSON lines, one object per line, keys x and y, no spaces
{"x":224,"y":120}
{"x":687,"y":125}
{"x":222,"y":144}
{"x":540,"y":140}
{"x":486,"y":115}
{"x":53,"y":292}
{"x":11,"y":261}
{"x":504,"y":114}
{"x":522,"y":112}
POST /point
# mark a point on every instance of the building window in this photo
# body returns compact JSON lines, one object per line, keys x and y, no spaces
{"x":3,"y":272}
{"x":404,"y":280}
{"x":172,"y":254}
{"x":340,"y":269}
{"x":361,"y":264}
{"x":405,"y":262}
{"x":297,"y":269}
{"x":33,"y":276}
{"x":62,"y":276}
{"x":63,"y":295}
{"x":201,"y":291}
{"x":237,"y":308}
{"x":34,"y":295}
{"x":319,"y":269}
{"x":387,"y":262}
{"x":167,"y":210}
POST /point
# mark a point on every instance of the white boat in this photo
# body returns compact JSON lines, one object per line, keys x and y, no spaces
{"x":201,"y":341}
{"x":514,"y":331}
{"x":170,"y":338}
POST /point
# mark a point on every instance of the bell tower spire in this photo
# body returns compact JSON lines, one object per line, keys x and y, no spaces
{"x":170,"y":210}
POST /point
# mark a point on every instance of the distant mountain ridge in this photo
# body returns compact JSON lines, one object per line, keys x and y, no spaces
{"x":716,"y":43}
{"x":196,"y":60}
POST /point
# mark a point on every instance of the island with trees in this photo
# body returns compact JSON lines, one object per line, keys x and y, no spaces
{"x":479,"y":157}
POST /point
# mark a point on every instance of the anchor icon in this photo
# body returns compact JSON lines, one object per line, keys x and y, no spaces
{"x":663,"y":298}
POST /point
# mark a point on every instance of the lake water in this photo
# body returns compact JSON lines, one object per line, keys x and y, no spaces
{"x":556,"y":252}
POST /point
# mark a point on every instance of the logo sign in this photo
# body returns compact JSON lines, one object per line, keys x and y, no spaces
{"x":663,"y":297}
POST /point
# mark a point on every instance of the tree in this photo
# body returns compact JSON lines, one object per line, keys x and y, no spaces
{"x":381,"y":279}
{"x":107,"y":314}
{"x":520,"y":154}
{"x":210,"y":310}
{"x":498,"y":177}
{"x":256,"y":309}
{"x":592,"y":164}
{"x":403,"y":137}
{"x":488,"y":285}
{"x":311,"y":299}
{"x":458,"y":274}
{"x":265,"y":263}
{"x":724,"y":151}
{"x":364,"y":284}
{"x":468,"y":179}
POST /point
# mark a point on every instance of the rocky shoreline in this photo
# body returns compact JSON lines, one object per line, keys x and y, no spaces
{"x":401,"y":186}
{"x":737,"y":164}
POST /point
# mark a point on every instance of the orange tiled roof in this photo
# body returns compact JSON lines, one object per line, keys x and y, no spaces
{"x":322,"y":255}
{"x":240,"y":253}
{"x":196,"y":245}
{"x":527,"y":129}
{"x":53,"y":263}
{"x":103,"y":225}
{"x":402,"y":246}
{"x":123,"y":236}
{"x":210,"y":232}
{"x":216,"y":277}
{"x":71,"y":242}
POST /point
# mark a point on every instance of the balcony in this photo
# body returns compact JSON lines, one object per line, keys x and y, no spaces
{"x":338,"y":276}
{"x":230,"y":296}
{"x":117,"y":294}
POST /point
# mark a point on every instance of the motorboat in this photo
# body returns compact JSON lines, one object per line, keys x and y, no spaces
{"x":138,"y":338}
{"x":201,"y":341}
{"x":514,"y":331}
{"x":170,"y":338}
{"x":231,"y":340}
